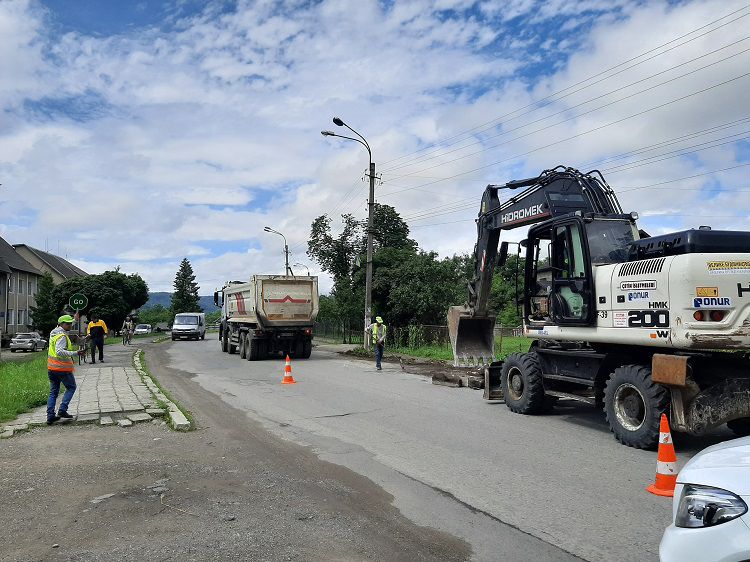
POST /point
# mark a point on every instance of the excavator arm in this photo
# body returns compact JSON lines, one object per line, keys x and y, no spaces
{"x":554,"y":193}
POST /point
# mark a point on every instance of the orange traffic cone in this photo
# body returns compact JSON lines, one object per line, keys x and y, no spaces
{"x":666,"y":471}
{"x":288,"y":378}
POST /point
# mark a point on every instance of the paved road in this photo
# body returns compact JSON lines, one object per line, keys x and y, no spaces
{"x":514,"y":487}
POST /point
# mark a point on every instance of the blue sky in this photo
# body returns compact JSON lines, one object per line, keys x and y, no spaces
{"x":139,"y":133}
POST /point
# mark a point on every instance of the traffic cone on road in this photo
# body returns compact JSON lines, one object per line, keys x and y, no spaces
{"x":288,"y":378}
{"x":666,"y":471}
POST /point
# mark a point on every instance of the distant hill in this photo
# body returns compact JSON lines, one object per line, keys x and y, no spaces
{"x":165,"y":299}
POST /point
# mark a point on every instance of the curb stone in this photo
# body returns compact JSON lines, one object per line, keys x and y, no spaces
{"x":178,"y":419}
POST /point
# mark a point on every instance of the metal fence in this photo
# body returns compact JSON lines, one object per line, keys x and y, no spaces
{"x":412,"y":336}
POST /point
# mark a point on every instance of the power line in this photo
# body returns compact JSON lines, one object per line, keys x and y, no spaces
{"x":599,"y":128}
{"x":587,"y":81}
{"x":571,"y":118}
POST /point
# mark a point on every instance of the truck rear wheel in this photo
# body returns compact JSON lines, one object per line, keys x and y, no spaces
{"x":224,"y":341}
{"x":231,"y":348}
{"x":253,"y":352}
{"x":307,"y":349}
{"x":633,"y":405}
{"x":740,"y":427}
{"x":521,"y":380}
{"x":243,"y":346}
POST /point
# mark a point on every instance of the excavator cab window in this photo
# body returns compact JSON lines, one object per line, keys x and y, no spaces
{"x":571,"y":298}
{"x":540,"y":287}
{"x":559,"y":284}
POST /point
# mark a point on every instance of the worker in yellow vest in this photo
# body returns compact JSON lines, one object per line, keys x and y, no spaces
{"x":60,"y":368}
{"x":377,"y":329}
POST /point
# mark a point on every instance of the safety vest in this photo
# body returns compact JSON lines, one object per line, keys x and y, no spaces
{"x":375,"y":332}
{"x":60,"y":364}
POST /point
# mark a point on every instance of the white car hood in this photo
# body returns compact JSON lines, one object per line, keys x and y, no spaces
{"x":726,"y":466}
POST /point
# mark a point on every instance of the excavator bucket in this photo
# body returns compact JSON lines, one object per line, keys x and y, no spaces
{"x":472,"y":337}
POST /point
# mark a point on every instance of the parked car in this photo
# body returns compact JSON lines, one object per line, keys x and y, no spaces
{"x":27,"y":342}
{"x":142,"y":329}
{"x":710,"y":519}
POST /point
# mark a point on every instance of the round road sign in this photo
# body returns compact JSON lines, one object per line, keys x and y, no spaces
{"x":78,"y":301}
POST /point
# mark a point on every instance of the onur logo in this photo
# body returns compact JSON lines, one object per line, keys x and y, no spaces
{"x":520,"y":214}
{"x":715,"y":302}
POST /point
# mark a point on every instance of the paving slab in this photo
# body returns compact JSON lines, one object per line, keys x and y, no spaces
{"x":106,"y":420}
{"x":124,"y":423}
{"x":139,"y":417}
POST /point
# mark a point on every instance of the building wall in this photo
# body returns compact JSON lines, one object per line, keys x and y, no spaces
{"x":18,"y":298}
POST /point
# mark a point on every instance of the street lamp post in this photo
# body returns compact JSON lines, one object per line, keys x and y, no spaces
{"x":298,"y":264}
{"x":286,"y":248}
{"x":370,"y":205}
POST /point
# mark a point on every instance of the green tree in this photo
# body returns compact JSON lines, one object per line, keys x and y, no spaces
{"x":45,"y":314}
{"x":112,"y":294}
{"x":185,"y":297}
{"x":503,"y":295}
{"x":154,"y":315}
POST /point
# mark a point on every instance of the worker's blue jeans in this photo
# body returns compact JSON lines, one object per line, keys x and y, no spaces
{"x":55,"y":378}
{"x":378,"y":354}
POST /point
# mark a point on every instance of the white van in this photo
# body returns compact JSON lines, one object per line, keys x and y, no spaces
{"x":190,"y":325}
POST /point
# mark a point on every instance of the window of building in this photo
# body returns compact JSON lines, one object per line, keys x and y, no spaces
{"x":20,"y":285}
{"x":21,"y":317}
{"x":11,"y":280}
{"x":11,"y":317}
{"x":32,"y":290}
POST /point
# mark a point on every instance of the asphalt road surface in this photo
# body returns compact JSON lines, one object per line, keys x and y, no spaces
{"x":551,"y":487}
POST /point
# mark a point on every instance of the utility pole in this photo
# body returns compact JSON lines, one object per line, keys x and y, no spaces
{"x":368,"y":271}
{"x":370,"y":207}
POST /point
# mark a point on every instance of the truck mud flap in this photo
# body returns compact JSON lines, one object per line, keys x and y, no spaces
{"x":718,"y":404}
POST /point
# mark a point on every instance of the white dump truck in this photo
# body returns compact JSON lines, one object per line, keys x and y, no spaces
{"x":267,"y":315}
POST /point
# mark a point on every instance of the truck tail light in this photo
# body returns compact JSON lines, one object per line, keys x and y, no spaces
{"x":308,"y":331}
{"x":698,"y":315}
{"x":717,"y":315}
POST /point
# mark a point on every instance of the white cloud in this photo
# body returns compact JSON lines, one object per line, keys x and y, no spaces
{"x":209,"y":130}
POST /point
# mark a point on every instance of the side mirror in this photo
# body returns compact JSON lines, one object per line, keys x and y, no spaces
{"x":216,"y":298}
{"x":524,"y":242}
{"x":503,"y":257}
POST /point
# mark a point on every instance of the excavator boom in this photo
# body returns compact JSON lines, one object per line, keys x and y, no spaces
{"x":554,"y":193}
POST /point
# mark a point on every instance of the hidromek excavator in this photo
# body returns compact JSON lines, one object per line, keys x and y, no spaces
{"x":640,"y":325}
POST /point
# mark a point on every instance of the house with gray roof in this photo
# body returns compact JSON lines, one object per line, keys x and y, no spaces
{"x":60,"y":269}
{"x":19,"y":281}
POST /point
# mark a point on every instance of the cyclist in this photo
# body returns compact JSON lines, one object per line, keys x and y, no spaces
{"x":127,"y":331}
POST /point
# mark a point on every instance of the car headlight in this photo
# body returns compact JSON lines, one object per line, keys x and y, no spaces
{"x":704,"y":506}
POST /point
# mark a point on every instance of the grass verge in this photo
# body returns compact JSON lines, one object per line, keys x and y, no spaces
{"x":188,"y":413}
{"x":442,"y":353}
{"x":23,"y":385}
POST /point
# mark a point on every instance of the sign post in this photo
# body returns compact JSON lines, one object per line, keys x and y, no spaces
{"x":78,"y":302}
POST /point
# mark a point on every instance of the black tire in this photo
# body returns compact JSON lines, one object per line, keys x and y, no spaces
{"x":253,"y":349}
{"x":740,"y":427}
{"x":33,"y":348}
{"x":231,"y":348}
{"x":243,"y":346}
{"x":633,"y":405}
{"x":13,"y":350}
{"x":522,"y":384}
{"x":307,"y":350}
{"x":173,"y":338}
{"x":203,"y":336}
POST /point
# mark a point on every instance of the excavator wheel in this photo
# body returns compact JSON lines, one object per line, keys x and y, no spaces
{"x":633,"y":405}
{"x":740,"y":427}
{"x":522,"y":384}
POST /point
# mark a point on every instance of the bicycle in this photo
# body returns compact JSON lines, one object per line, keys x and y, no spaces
{"x":127,"y":336}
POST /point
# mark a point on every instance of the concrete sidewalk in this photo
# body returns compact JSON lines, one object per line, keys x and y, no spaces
{"x":107,"y":393}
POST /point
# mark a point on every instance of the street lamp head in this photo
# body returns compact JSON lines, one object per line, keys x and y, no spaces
{"x":267,"y":229}
{"x":338,"y":121}
{"x":328,"y":133}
